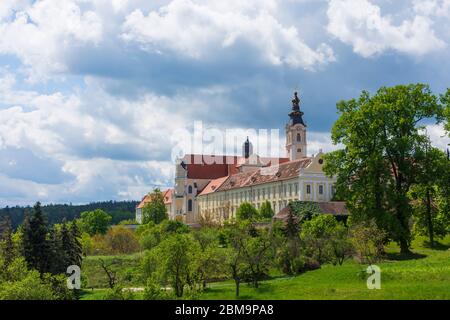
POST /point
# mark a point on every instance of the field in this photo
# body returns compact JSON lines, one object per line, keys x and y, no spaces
{"x":423,"y":275}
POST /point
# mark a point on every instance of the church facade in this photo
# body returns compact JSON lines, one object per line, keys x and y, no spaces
{"x":211,"y":187}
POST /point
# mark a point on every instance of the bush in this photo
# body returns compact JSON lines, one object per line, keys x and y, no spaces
{"x":118,"y":293}
{"x":246,"y":211}
{"x":17,"y":282}
{"x":95,"y":222}
{"x":151,"y":234}
{"x":367,"y":240}
{"x":121,"y":240}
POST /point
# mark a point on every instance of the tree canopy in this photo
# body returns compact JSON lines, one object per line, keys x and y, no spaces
{"x":384,"y":140}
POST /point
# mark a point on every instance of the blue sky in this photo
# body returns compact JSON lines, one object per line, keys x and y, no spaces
{"x":92,"y":91}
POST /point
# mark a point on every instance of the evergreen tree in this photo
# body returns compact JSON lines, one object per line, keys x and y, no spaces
{"x":76,"y":249}
{"x":35,"y":244}
{"x":7,"y":247}
{"x":66,"y":245}
{"x":56,"y":255}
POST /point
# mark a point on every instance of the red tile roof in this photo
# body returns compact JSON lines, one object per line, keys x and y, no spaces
{"x":284,"y":171}
{"x":167,"y":194}
{"x":214,"y":167}
{"x":213,"y":185}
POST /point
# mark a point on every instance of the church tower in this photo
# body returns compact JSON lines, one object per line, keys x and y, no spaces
{"x":296,"y":132}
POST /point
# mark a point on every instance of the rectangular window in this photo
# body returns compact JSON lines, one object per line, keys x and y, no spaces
{"x":296,"y":188}
{"x":321,"y":189}
{"x":308,"y":189}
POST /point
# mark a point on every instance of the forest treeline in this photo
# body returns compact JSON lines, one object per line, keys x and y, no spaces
{"x":56,"y":213}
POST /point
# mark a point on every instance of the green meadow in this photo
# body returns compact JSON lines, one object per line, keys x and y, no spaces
{"x":423,"y":275}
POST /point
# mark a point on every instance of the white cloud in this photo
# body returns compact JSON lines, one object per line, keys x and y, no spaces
{"x":438,"y":136}
{"x":39,"y":33}
{"x":438,"y":8}
{"x":201,"y":29}
{"x":361,"y":24}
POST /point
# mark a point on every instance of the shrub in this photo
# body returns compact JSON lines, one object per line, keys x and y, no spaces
{"x":246,"y":211}
{"x":121,"y":240}
{"x":367,"y":240}
{"x":118,"y":293}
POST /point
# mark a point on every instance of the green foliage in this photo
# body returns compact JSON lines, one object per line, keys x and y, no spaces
{"x":151,"y":234}
{"x":118,"y":293}
{"x":383,"y":142}
{"x":317,"y":234}
{"x":17,"y":282}
{"x":246,"y":211}
{"x":7,"y":246}
{"x":121,"y":240}
{"x":56,"y":213}
{"x":155,"y":210}
{"x":304,"y":210}
{"x":95,"y":222}
{"x":154,"y":291}
{"x":174,"y":262}
{"x":367,"y":240}
{"x":34,"y":242}
{"x":266,"y":211}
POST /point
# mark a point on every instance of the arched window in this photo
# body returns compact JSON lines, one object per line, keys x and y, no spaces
{"x":189,"y":205}
{"x":299,"y":138}
{"x":190,"y":189}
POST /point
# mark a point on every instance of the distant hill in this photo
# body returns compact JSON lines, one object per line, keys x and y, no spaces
{"x":119,"y":210}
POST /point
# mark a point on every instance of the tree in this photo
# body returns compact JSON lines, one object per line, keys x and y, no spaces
{"x":155,"y":210}
{"x":95,"y":222}
{"x":317,"y":233}
{"x":111,"y":274}
{"x":266,"y":211}
{"x":174,"y":262}
{"x":382,"y":139}
{"x":35,"y":244}
{"x":57,"y":257}
{"x":121,"y":240}
{"x":445,"y":115}
{"x":246,"y":211}
{"x":429,"y":220}
{"x":367,"y":240}
{"x":210,"y":257}
{"x":7,"y":244}
{"x":76,"y":249}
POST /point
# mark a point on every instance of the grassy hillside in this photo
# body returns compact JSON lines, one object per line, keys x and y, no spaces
{"x":424,"y":275}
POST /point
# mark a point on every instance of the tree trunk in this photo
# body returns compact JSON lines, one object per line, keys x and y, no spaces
{"x":429,"y":218}
{"x":404,"y":247}
{"x":237,"y":282}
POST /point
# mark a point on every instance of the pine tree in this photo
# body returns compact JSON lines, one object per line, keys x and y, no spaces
{"x":56,"y":254}
{"x":76,"y":249}
{"x":35,"y":244}
{"x":7,"y":242}
{"x":66,"y":242}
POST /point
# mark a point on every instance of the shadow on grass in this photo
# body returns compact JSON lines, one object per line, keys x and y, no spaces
{"x":437,"y":246}
{"x":405,"y":256}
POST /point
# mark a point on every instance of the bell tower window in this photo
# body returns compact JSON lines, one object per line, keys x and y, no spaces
{"x":299,"y":138}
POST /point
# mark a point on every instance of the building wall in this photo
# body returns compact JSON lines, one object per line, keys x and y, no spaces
{"x":222,"y":205}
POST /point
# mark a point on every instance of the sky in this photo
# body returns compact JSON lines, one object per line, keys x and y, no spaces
{"x":92,"y":91}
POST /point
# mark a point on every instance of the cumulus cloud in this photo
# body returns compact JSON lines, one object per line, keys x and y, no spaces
{"x":439,"y":8}
{"x":360,"y":23}
{"x":114,"y":149}
{"x":203,"y":29}
{"x":38,"y":33}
